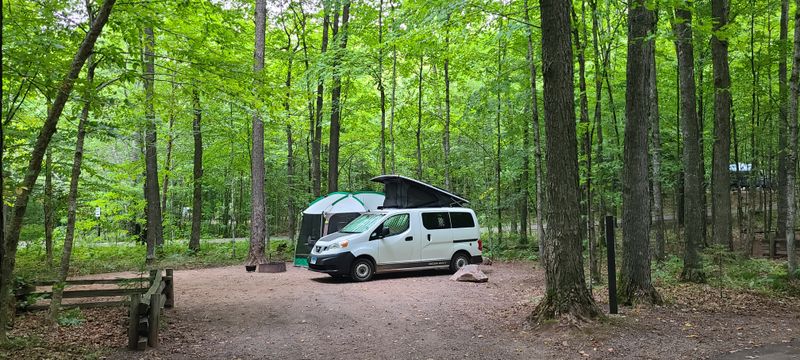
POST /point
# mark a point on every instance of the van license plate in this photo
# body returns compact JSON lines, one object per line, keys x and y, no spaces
{"x":313,"y":260}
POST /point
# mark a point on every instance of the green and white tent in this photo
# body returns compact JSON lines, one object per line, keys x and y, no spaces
{"x":327,"y":214}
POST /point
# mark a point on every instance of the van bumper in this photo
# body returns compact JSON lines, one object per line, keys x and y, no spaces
{"x":477,"y":259}
{"x":332,"y":264}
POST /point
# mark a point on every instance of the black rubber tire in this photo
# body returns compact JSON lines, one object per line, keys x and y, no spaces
{"x":458,"y":261}
{"x":362,"y":270}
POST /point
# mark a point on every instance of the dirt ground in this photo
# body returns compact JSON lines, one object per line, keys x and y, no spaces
{"x":226,"y":313}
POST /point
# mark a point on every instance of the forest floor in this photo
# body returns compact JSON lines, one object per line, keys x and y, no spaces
{"x":228,"y":313}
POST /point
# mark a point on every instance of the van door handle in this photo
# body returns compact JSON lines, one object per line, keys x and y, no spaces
{"x":410,"y":238}
{"x":429,"y":237}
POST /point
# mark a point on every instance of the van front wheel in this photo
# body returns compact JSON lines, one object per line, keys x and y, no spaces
{"x":458,"y":261}
{"x":362,"y":270}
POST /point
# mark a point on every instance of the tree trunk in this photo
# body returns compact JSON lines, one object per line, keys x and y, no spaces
{"x":721,"y":204}
{"x":694,"y":212}
{"x":291,"y":216}
{"x":783,"y":45}
{"x":585,"y":129}
{"x":152,"y":198}
{"x":48,"y":208}
{"x":258,"y":224}
{"x":446,"y":137}
{"x":316,"y":143}
{"x":497,"y":164}
{"x":170,"y":141}
{"x":794,"y":92}
{"x":197,"y":195}
{"x":394,"y":91}
{"x":594,"y":269}
{"x":539,"y":173}
{"x":419,"y":118}
{"x":381,"y":88}
{"x":655,"y":131}
{"x":635,"y":280}
{"x":72,"y":197}
{"x":340,"y":38}
{"x":566,"y":293}
{"x":35,"y":165}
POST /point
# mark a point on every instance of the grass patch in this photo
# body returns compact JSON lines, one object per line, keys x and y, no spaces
{"x":89,"y":259}
{"x":730,"y":270}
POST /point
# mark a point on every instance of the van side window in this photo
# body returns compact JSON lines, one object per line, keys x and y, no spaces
{"x":436,"y":220}
{"x":397,"y":224}
{"x":462,"y":220}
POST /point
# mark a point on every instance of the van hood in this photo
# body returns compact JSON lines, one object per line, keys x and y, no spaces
{"x":330,"y":237}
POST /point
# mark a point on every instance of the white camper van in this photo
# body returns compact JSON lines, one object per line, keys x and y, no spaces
{"x":400,"y":239}
{"x":419,"y":226}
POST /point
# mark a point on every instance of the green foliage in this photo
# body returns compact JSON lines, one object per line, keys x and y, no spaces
{"x":509,"y":249}
{"x":126,"y":257}
{"x":71,"y":317}
{"x":725,"y":269}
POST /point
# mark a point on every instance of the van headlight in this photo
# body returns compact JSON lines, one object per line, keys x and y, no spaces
{"x":339,"y":245}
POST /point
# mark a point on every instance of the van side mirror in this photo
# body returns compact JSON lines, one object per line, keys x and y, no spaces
{"x":385,"y":231}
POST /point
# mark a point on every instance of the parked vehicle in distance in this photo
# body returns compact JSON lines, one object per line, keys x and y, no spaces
{"x":400,"y":239}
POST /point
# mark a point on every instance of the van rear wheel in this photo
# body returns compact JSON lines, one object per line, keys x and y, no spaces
{"x":458,"y":261}
{"x":362,"y":270}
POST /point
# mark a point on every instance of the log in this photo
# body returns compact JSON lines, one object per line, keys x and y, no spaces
{"x":133,"y":322}
{"x":169,"y":291}
{"x":115,"y":281}
{"x":72,"y":294}
{"x":153,"y":318}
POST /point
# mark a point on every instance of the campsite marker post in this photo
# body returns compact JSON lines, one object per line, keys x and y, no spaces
{"x":612,"y":266}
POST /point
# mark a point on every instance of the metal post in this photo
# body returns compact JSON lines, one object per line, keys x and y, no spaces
{"x":612,"y":266}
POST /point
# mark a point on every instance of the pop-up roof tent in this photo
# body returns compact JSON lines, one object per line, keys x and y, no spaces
{"x":328,"y":214}
{"x":404,"y":193}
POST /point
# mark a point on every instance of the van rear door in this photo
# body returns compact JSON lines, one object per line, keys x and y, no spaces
{"x":437,"y":236}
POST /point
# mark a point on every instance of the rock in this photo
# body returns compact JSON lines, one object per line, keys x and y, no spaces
{"x":471,"y":273}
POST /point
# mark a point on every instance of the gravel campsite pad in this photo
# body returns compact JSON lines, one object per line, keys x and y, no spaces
{"x":299,"y":314}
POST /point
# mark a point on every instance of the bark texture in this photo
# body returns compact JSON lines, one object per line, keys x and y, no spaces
{"x":791,"y":173}
{"x":537,"y":144}
{"x":197,"y":193}
{"x":720,"y":187}
{"x":152,"y":198}
{"x":635,"y":282}
{"x":258,"y":224}
{"x":566,"y":294}
{"x":693,"y":209}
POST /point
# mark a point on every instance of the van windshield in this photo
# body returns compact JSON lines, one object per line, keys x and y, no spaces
{"x":362,"y":223}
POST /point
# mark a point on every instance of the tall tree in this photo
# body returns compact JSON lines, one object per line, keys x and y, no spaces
{"x":340,"y":39}
{"x":12,"y":233}
{"x":537,"y":145}
{"x":47,"y":206}
{"x":783,"y":46}
{"x":594,"y":268}
{"x":287,"y":108}
{"x":258,"y":224}
{"x":635,"y":280}
{"x":585,"y":129}
{"x":381,"y":88}
{"x":566,"y":293}
{"x":197,"y":193}
{"x":498,"y":160}
{"x":446,"y":137}
{"x":655,"y":154}
{"x":75,"y":174}
{"x":419,"y":117}
{"x":694,"y":212}
{"x":316,"y":142}
{"x":791,"y":173}
{"x":152,"y":198}
{"x":720,"y":186}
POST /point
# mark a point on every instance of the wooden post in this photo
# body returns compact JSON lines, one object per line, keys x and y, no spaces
{"x":133,"y":321}
{"x":153,"y":319}
{"x":168,"y":290}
